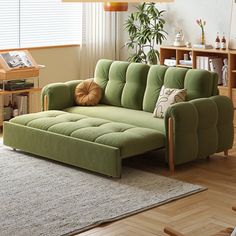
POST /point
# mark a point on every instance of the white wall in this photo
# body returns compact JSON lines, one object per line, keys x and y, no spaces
{"x":233,"y":25}
{"x":62,"y":64}
{"x":183,"y":14}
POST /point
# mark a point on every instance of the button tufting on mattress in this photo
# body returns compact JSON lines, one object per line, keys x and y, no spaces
{"x":123,"y":136}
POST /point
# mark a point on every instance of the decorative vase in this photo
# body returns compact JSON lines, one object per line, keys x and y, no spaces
{"x":203,"y":37}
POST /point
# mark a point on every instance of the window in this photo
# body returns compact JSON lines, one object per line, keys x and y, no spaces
{"x":35,"y":23}
{"x":9,"y":23}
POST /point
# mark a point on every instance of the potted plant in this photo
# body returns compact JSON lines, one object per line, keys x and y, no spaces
{"x":145,"y":29}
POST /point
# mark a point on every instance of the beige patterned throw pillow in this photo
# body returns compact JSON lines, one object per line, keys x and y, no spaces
{"x":167,"y":97}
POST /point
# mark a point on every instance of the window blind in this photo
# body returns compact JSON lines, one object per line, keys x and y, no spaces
{"x":9,"y":24}
{"x":49,"y":22}
{"x":35,"y":23}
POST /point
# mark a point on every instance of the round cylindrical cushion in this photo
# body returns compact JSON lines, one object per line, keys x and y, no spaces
{"x":88,"y":93}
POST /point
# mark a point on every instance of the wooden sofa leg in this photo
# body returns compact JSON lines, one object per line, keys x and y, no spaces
{"x":171,"y":146}
{"x":172,"y":232}
{"x":226,"y":153}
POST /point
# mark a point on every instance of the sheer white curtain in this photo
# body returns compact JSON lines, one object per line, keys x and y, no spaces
{"x":99,"y":37}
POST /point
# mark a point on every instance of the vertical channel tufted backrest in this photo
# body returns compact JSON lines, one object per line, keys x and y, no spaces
{"x":136,"y":80}
{"x":123,"y":83}
{"x":114,"y":82}
{"x":200,"y":84}
{"x":137,"y":86}
{"x":155,"y":81}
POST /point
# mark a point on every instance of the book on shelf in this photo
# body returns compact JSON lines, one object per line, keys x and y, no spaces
{"x":202,"y":46}
{"x":186,"y":62}
{"x":202,"y":62}
{"x":213,"y":64}
{"x":170,"y":62}
{"x":17,"y":59}
{"x":216,"y":65}
{"x":22,"y":103}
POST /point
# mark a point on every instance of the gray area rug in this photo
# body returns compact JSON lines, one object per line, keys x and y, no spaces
{"x":39,"y":197}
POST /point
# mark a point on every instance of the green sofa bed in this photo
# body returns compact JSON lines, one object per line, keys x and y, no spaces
{"x":98,"y":137}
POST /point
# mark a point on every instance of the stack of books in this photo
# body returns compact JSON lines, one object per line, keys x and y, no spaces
{"x":22,"y":103}
{"x":170,"y":62}
{"x":213,"y":64}
{"x":186,"y":62}
{"x":202,"y":46}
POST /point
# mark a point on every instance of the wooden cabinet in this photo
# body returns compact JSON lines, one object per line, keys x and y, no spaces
{"x":168,"y":52}
{"x":232,"y":75}
{"x":27,"y":73}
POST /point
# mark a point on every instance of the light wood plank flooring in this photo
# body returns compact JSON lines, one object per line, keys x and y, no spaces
{"x":201,"y":214}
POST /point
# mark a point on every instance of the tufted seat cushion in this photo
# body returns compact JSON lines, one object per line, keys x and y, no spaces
{"x":129,"y":139}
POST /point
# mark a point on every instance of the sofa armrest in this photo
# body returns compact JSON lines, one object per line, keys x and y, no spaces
{"x":199,"y":128}
{"x":58,"y":96}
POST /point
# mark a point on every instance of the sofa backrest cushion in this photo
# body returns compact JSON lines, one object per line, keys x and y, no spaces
{"x":101,"y":75}
{"x":157,"y":77}
{"x":115,"y":83}
{"x":123,"y":83}
{"x":174,"y":77}
{"x":155,"y":81}
{"x":137,"y":86}
{"x":136,"y":79}
{"x":200,"y":84}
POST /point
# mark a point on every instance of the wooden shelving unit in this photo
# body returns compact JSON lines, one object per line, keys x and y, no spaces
{"x":167,"y":52}
{"x":184,"y":66}
{"x":25,"y":73}
{"x":31,"y":90}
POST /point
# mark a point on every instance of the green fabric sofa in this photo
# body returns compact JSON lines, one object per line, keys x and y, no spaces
{"x":122,"y":125}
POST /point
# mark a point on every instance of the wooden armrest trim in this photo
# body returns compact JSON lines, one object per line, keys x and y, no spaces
{"x":171,"y":146}
{"x":45,"y":101}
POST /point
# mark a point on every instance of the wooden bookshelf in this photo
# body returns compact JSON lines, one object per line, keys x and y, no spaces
{"x":184,"y":66}
{"x":25,"y":72}
{"x":18,"y":73}
{"x":31,"y":90}
{"x":168,"y":52}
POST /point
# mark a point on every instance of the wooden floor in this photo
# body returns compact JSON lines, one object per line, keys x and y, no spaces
{"x":201,"y":214}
